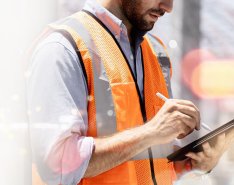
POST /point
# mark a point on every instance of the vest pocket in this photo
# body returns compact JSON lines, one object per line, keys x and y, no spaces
{"x":127,"y":106}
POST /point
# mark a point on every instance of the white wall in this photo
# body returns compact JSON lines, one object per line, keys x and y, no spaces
{"x":21,"y":21}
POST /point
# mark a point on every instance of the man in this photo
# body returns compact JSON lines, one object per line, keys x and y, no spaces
{"x":95,"y":118}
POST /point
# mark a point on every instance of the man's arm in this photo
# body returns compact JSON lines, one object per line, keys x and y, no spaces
{"x":176,"y":119}
{"x":57,"y":107}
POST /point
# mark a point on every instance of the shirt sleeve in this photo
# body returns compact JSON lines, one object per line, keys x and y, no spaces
{"x":57,"y":109}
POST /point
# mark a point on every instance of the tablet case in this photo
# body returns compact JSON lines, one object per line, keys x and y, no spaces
{"x":196,"y":146}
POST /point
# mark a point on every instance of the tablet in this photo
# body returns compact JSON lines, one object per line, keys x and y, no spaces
{"x":196,"y":146}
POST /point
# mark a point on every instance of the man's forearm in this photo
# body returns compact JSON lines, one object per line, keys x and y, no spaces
{"x":118,"y":148}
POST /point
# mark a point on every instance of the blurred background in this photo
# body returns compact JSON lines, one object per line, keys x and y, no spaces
{"x":200,"y":40}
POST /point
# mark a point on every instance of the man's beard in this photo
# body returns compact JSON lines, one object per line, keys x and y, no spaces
{"x":132,"y":9}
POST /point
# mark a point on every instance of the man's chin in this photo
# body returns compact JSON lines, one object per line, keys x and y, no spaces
{"x":147,"y":28}
{"x":150,"y":24}
{"x":144,"y":25}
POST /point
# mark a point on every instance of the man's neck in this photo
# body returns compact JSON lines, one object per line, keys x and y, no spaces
{"x":114,"y":6}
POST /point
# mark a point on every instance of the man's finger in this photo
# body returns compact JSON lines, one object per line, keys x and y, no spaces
{"x":194,"y":156}
{"x":201,"y":155}
{"x":185,"y":102}
{"x":220,"y":142}
{"x":190,"y":110}
{"x":207,"y":149}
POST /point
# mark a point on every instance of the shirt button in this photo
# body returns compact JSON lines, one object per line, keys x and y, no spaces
{"x":116,"y":36}
{"x":131,"y":57}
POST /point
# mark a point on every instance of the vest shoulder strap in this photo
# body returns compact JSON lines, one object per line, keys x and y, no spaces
{"x":160,"y":51}
{"x":68,"y":36}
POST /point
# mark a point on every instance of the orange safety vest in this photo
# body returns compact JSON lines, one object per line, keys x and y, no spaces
{"x":114,"y":97}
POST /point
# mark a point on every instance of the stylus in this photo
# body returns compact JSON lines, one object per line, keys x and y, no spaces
{"x":205,"y":126}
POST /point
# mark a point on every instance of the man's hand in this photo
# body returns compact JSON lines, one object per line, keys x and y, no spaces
{"x":176,"y":119}
{"x":207,"y":160}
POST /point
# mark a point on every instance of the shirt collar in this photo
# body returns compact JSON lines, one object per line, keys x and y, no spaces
{"x":113,"y":23}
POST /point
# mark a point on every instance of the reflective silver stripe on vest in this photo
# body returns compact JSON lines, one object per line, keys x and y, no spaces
{"x":105,"y":112}
{"x":163,"y":60}
{"x":142,"y":155}
{"x":159,"y":151}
